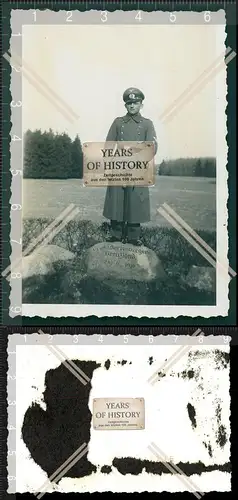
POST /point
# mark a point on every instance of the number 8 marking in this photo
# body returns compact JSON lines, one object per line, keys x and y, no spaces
{"x":15,"y":104}
{"x":104,"y":16}
{"x":15,"y":275}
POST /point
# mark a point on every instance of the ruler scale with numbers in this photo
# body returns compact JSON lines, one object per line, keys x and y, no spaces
{"x":121,"y":335}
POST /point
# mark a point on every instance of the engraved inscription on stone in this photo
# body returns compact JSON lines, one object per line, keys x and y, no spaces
{"x":123,"y":262}
{"x":118,"y":164}
{"x":118,"y":413}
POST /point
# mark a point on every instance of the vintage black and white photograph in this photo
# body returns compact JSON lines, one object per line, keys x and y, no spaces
{"x":173,"y":401}
{"x":125,"y":250}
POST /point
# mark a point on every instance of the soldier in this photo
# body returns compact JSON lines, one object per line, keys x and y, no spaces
{"x":128,"y":207}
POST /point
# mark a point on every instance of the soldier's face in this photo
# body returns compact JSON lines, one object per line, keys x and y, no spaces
{"x":133,"y":107}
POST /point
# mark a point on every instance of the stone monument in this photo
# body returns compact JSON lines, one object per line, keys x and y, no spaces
{"x":118,"y":261}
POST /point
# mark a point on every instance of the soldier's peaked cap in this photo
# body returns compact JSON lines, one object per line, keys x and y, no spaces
{"x":133,"y":95}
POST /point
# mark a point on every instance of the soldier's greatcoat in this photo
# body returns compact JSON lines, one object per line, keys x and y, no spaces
{"x":137,"y":206}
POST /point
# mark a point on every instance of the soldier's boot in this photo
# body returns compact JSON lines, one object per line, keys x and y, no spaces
{"x":116,"y":231}
{"x":133,"y":234}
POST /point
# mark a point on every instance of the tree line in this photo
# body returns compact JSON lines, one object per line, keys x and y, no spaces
{"x":195,"y":167}
{"x":50,"y":155}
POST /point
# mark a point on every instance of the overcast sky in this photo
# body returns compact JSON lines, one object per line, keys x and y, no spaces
{"x":91,"y":66}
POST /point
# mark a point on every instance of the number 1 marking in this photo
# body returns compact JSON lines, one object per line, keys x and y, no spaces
{"x":18,"y":242}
